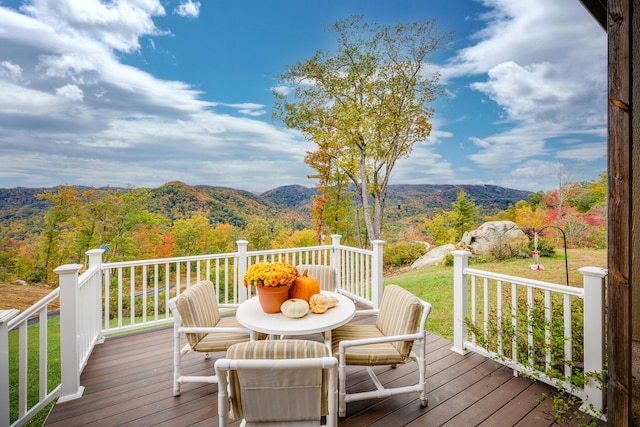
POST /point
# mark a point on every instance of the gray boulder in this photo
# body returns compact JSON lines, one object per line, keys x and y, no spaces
{"x":434,"y":256}
{"x":495,"y":238}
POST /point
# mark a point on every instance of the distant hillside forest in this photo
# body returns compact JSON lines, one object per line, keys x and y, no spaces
{"x":41,"y":229}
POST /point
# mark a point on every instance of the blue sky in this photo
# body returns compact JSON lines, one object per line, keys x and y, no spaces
{"x":143,"y":92}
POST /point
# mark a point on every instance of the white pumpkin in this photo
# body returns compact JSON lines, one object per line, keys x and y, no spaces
{"x":295,"y":308}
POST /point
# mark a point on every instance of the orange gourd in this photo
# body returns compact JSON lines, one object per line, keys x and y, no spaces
{"x":320,"y":303}
{"x":304,"y":286}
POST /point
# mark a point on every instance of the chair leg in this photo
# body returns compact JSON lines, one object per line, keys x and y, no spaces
{"x":422,"y":370}
{"x":177,"y":356}
{"x":342,"y":387}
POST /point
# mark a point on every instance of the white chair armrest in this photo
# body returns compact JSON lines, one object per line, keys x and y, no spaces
{"x":367,"y":312}
{"x":354,"y":343}
{"x":196,"y":330}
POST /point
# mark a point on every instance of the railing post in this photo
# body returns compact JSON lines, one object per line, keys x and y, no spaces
{"x":69,"y":356}
{"x":376,"y":272}
{"x":460,"y":302}
{"x":242,"y":269}
{"x":335,"y":259}
{"x":594,"y":345}
{"x":95,"y":257}
{"x":5,"y":317}
{"x":95,"y":260}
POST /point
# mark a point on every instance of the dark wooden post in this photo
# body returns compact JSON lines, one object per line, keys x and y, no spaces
{"x":620,"y":205}
{"x":634,"y":137}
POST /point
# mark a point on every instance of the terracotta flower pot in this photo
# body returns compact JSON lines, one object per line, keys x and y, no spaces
{"x":271,"y":298}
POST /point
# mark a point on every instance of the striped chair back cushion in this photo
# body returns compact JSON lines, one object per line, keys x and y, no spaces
{"x":399,"y":314}
{"x":324,"y":274}
{"x":260,"y":395}
{"x":198,"y":306}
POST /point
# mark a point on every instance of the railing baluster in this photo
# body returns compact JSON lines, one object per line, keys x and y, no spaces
{"x":188,"y":274}
{"x":144,"y":294}
{"x":156,"y":294}
{"x":178,"y":277}
{"x":530,"y":326}
{"x":547,"y":330}
{"x":514,"y":322}
{"x":5,"y":317}
{"x":22,"y":368}
{"x":132,"y":296}
{"x":167,"y":289}
{"x":568,"y":335}
{"x":226,"y":283}
{"x":499,"y":315}
{"x":485,"y":300}
{"x":120,"y":297}
{"x":107,"y":298}
{"x":474,"y":307}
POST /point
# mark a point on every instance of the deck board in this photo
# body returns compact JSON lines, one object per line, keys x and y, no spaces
{"x":128,"y":381}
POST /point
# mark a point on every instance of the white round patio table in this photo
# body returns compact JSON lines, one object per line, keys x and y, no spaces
{"x":251,"y":316}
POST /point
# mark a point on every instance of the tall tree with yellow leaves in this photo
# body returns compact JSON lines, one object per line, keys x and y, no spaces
{"x":367,"y":104}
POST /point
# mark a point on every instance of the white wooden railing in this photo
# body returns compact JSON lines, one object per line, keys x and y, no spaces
{"x":120,"y":297}
{"x":132,"y":285}
{"x":514,"y":320}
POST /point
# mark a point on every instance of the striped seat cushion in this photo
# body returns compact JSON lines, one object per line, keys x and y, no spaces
{"x":220,"y":341}
{"x":399,"y":314}
{"x":306,"y":389}
{"x":278,"y":349}
{"x":365,"y":355}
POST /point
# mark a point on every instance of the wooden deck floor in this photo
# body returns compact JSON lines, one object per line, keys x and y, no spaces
{"x":128,"y":381}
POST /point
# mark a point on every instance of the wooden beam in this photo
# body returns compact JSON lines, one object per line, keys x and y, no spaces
{"x":619,"y":212}
{"x":597,"y":8}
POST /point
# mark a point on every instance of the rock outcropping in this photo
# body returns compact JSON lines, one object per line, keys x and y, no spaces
{"x":434,"y":256}
{"x":495,"y":238}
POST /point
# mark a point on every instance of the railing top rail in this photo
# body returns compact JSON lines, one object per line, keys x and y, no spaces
{"x":167,"y":260}
{"x":87,"y":274}
{"x":287,"y":250}
{"x":25,"y":315}
{"x":357,"y":250}
{"x":538,"y":284}
{"x":136,"y":263}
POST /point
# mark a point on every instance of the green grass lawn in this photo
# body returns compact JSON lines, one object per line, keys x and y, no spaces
{"x":434,"y":285}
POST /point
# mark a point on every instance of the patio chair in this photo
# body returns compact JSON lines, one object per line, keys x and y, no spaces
{"x":400,"y":322}
{"x":278,"y":382}
{"x":325,"y":274}
{"x":196,"y":315}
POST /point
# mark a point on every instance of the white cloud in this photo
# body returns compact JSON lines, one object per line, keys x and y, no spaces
{"x":282,"y":90}
{"x":118,"y":25}
{"x":584,"y":152}
{"x":543,"y":63}
{"x":11,"y":70}
{"x":74,"y":109}
{"x":504,"y":150}
{"x":190,"y":9}
{"x":536,"y":175}
{"x":254,"y":113}
{"x":71,"y":92}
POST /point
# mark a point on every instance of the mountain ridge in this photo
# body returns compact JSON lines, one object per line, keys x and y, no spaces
{"x":178,"y":200}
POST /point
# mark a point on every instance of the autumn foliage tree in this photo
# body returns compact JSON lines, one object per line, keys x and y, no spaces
{"x":365,"y":105}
